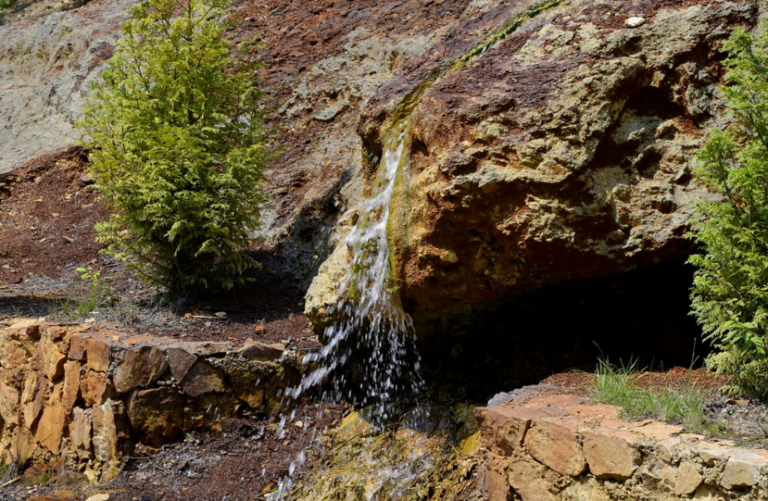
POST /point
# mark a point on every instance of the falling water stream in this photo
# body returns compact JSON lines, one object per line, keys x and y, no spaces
{"x":371,"y":327}
{"x":370,"y":358}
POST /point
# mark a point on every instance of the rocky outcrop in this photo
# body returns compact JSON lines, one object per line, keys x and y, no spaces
{"x":560,"y":147}
{"x":87,"y":397}
{"x":546,"y":444}
{"x":324,"y":62}
{"x":45,"y":68}
{"x":548,"y":140}
{"x":575,"y":159}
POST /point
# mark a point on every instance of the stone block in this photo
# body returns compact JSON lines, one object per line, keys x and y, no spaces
{"x":611,"y":453}
{"x":688,"y":479}
{"x":50,"y":428}
{"x":248,"y":379}
{"x":14,"y":354}
{"x":713,"y":453}
{"x":156,"y":415}
{"x":659,"y":431}
{"x":80,"y":430}
{"x":503,"y":427}
{"x":254,"y":350}
{"x":203,"y":378}
{"x":77,"y":347}
{"x":33,"y":398}
{"x":180,"y":361}
{"x":210,"y":348}
{"x":95,"y":387}
{"x":555,"y":443}
{"x":49,"y":359}
{"x":99,"y":353}
{"x":71,"y":384}
{"x":285,"y":376}
{"x":56,"y":332}
{"x":531,"y":480}
{"x":10,"y":399}
{"x":140,"y":366}
{"x":743,"y":470}
{"x":492,"y":484}
{"x":670,"y":450}
{"x":27,"y":327}
{"x":109,"y":433}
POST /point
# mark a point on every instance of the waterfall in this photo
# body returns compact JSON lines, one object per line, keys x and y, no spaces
{"x":369,"y":357}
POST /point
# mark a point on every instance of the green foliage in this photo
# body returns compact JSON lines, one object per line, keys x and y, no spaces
{"x":618,"y":385}
{"x":55,"y":307}
{"x":6,"y":5}
{"x":179,"y":147}
{"x":730,"y":290}
{"x":100,"y":292}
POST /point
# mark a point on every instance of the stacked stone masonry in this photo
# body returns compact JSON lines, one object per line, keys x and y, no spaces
{"x":546,"y":445}
{"x":84,"y":397}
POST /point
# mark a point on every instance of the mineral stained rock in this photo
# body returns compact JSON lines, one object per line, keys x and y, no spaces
{"x":563,"y":151}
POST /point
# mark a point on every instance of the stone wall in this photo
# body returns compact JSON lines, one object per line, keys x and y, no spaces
{"x":83,"y":396}
{"x":549,"y":446}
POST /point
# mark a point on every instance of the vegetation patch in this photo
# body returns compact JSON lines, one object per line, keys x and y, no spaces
{"x":178,"y":148}
{"x":687,"y":401}
{"x":618,"y":385}
{"x":730,"y":291}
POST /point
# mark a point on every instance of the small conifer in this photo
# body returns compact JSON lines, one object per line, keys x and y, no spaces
{"x":178,"y":147}
{"x":730,"y":290}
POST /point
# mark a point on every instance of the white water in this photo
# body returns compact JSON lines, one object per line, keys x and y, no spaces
{"x":369,"y":320}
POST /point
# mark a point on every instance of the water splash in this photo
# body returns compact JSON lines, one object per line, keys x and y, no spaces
{"x":370,"y":357}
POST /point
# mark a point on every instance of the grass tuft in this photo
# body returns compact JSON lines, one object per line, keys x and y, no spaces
{"x":684,"y":405}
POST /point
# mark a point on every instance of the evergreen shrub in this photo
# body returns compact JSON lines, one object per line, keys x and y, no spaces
{"x":178,"y":147}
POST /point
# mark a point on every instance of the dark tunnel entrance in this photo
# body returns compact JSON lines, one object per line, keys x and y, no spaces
{"x":640,"y":315}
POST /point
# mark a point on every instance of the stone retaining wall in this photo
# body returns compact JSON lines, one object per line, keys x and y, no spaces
{"x":76,"y":394}
{"x":550,"y":446}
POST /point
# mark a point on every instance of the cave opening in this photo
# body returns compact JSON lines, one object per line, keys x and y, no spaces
{"x":640,"y":315}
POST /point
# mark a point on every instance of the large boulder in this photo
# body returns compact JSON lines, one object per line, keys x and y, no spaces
{"x":561,"y":150}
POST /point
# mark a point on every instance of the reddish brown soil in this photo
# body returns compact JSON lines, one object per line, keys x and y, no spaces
{"x":269,"y":309}
{"x":677,"y":377}
{"x":47,"y":216}
{"x":244,"y":462}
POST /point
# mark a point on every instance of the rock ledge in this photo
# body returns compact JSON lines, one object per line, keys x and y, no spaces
{"x":546,"y":444}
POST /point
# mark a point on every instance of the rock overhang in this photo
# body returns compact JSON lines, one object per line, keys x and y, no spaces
{"x":566,"y":152}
